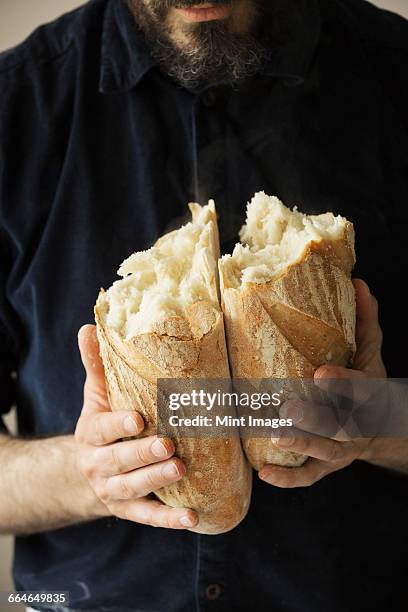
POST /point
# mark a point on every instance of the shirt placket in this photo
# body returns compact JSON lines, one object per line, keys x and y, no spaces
{"x":209,"y":179}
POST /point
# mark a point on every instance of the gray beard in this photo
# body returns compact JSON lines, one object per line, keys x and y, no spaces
{"x":217,"y":54}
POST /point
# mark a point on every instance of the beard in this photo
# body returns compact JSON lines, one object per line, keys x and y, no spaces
{"x":204,"y":52}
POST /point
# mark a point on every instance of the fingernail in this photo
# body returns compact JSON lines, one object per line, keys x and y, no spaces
{"x":291,"y":410}
{"x":129,"y":424}
{"x":322,"y":383}
{"x":187,"y":521}
{"x":365,"y":287}
{"x":286,"y":440}
{"x":171,"y":471}
{"x":268,"y":473}
{"x":159,"y":449}
{"x":264,"y":475}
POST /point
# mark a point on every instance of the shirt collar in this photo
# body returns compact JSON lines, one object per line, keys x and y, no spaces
{"x":125,"y":56}
{"x":295,"y":39}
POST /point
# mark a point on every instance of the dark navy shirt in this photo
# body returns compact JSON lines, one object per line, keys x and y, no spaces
{"x":99,"y":154}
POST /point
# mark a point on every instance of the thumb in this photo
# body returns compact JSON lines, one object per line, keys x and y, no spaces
{"x":95,"y":386}
{"x":368,"y":331}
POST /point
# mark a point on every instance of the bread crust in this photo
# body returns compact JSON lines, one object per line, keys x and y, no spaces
{"x":218,"y":479}
{"x":288,"y":327}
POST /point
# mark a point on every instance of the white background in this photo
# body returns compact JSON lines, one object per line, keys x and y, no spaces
{"x":17,"y":19}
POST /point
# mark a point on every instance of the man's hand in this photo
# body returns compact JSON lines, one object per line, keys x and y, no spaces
{"x":327,"y":455}
{"x":123,"y":473}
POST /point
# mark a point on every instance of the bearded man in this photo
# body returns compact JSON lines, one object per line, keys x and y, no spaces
{"x":112,"y":118}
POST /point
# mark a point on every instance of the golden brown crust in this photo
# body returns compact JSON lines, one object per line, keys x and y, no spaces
{"x":288,"y":327}
{"x":218,"y":480}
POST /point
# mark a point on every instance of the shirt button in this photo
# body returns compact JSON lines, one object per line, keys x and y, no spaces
{"x":209,"y":98}
{"x":213,"y":591}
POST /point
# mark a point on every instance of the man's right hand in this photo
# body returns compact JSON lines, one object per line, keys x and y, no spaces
{"x":123,"y":474}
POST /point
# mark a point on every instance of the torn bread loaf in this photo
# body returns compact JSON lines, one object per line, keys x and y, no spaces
{"x":288,"y":301}
{"x":163,"y":320}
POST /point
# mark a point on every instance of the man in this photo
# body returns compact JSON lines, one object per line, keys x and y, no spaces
{"x":113,"y":118}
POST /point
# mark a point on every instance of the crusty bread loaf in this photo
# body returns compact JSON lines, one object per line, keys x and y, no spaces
{"x":163,"y":320}
{"x":288,"y":301}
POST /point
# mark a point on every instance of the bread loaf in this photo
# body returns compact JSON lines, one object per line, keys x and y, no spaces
{"x":163,"y":320}
{"x":288,"y":301}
